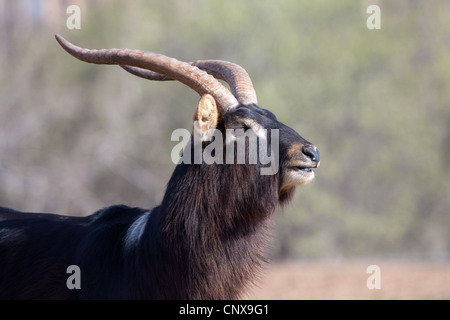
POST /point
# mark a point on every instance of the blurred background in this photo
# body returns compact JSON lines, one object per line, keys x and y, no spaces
{"x":75,"y":137}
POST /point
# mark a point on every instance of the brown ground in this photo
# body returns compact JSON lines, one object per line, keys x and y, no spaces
{"x":348,"y":280}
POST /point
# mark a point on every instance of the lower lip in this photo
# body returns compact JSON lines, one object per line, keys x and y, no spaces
{"x":306,"y":170}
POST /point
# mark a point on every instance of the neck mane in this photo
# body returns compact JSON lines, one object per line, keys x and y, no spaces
{"x":215,"y":232}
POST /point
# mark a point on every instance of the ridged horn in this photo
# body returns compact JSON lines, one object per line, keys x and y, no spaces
{"x":236,"y":77}
{"x":200,"y":81}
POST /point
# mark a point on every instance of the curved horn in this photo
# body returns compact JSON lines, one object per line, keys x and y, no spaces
{"x":199,"y":80}
{"x":240,"y":83}
{"x":236,"y":76}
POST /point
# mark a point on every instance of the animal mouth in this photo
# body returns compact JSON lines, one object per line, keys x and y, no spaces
{"x":297,"y":175}
{"x":304,"y":167}
{"x":300,"y":168}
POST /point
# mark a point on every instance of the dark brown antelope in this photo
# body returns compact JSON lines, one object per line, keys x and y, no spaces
{"x":207,"y":238}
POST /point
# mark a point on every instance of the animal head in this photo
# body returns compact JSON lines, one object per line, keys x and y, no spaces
{"x":231,"y":117}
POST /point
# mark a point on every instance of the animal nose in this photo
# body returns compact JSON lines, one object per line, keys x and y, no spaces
{"x":312,"y":153}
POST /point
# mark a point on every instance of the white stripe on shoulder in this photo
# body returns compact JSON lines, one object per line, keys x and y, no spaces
{"x":135,"y":231}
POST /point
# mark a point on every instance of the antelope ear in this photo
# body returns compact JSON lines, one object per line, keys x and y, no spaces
{"x":205,"y":117}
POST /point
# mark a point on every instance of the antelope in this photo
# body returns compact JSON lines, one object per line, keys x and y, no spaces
{"x":207,"y":238}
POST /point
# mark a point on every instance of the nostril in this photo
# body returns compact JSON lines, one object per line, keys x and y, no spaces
{"x":312,"y":153}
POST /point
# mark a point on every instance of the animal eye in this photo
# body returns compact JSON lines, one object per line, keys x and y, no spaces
{"x":239,"y":132}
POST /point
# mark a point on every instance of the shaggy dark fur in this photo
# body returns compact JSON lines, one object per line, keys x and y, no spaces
{"x":206,"y":240}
